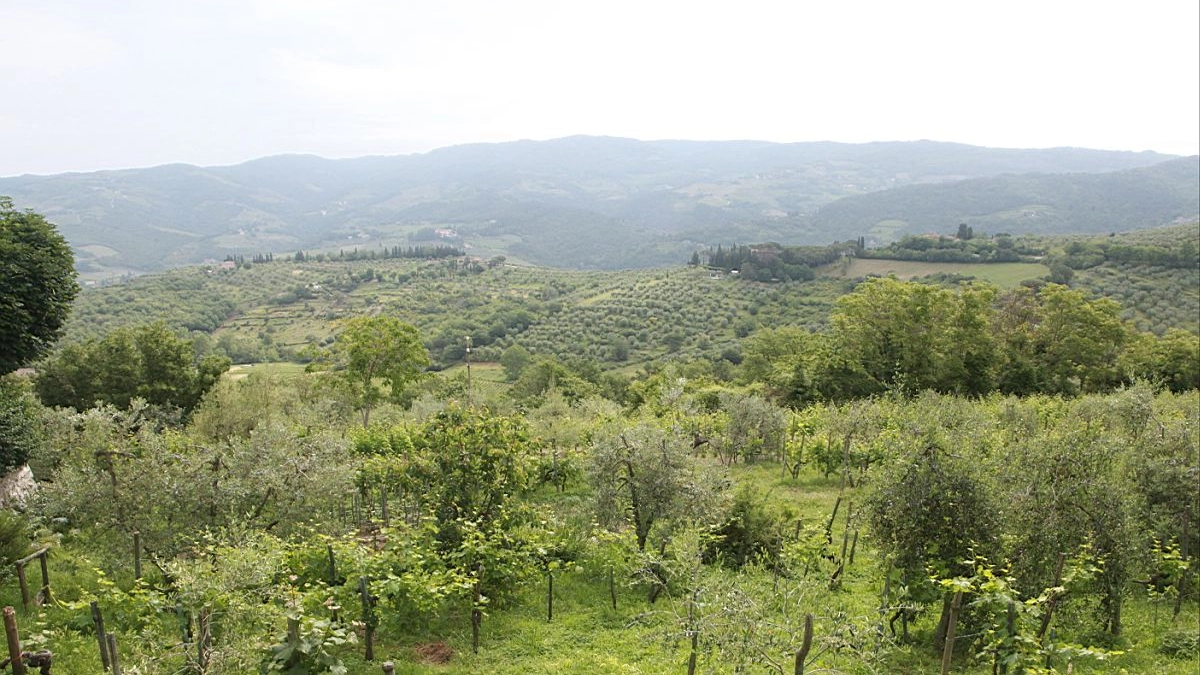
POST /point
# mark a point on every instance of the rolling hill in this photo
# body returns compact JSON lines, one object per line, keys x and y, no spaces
{"x":1037,"y":203}
{"x":584,"y":202}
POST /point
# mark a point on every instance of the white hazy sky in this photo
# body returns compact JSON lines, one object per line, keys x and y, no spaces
{"x":91,"y":84}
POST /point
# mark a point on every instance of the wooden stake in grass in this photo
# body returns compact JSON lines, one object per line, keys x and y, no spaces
{"x":137,"y":556}
{"x":113,"y":655}
{"x":476,"y":610}
{"x":332,"y":566}
{"x":833,"y":516}
{"x":46,"y":599}
{"x":24,"y":584}
{"x":1053,"y":601}
{"x":948,"y":648}
{"x":14,"y":641}
{"x":383,"y":507}
{"x":612,"y":586}
{"x":22,"y":581}
{"x":98,"y":620}
{"x":368,"y":617}
{"x":549,"y":596}
{"x":1010,"y":625}
{"x":884,"y":599}
{"x":1187,"y":567}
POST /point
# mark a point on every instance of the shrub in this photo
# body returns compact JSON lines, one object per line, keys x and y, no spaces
{"x":19,"y":426}
{"x":14,"y":539}
{"x":1181,"y":644}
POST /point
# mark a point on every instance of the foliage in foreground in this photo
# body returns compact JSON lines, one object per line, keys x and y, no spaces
{"x":483,"y":511}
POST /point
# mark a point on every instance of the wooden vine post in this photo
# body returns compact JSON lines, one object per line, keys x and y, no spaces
{"x":476,"y":609}
{"x":1187,"y":567}
{"x":368,"y":617}
{"x":137,"y":556}
{"x":612,"y":586}
{"x":21,"y":661}
{"x":14,"y":641}
{"x":23,"y":582}
{"x":948,"y":648}
{"x":383,"y":506}
{"x":1010,"y":625}
{"x":332,"y":566}
{"x":829,"y":525}
{"x":113,"y":654}
{"x":98,"y":620}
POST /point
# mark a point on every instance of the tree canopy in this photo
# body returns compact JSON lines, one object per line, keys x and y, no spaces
{"x":37,"y":285}
{"x":148,"y":362}
{"x":380,"y":348}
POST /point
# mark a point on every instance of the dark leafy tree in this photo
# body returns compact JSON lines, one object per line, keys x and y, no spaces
{"x":1173,"y":360}
{"x":37,"y":286}
{"x":149,"y":362}
{"x":374,"y":349}
{"x":514,"y":360}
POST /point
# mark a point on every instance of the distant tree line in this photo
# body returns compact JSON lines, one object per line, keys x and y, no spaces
{"x":1081,"y":255}
{"x":421,"y":252}
{"x":964,"y":247}
{"x":385,"y":253}
{"x":773,"y":262}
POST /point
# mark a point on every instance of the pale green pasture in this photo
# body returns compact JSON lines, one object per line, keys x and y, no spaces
{"x":1002,"y":274}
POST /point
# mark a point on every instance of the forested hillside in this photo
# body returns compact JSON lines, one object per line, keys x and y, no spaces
{"x":1025,"y":204}
{"x":583,"y":202}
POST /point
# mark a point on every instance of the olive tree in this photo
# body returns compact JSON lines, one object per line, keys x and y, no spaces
{"x":929,"y":511}
{"x":645,"y":475}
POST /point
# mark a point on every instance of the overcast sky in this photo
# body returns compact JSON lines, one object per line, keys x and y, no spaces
{"x":91,"y":84}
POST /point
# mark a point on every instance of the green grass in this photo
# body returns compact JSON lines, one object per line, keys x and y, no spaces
{"x":281,"y":368}
{"x":1005,"y":275}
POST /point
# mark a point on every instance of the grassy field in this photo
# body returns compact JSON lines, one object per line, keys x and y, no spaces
{"x":281,"y":368}
{"x":1005,"y":275}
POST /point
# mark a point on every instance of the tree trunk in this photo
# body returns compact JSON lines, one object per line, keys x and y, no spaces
{"x":939,"y":635}
{"x":805,"y":645}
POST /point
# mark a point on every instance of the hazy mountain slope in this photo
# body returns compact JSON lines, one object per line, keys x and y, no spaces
{"x":578,"y":201}
{"x":1028,"y":203}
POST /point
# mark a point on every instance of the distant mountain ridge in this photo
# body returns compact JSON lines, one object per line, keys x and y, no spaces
{"x":581,"y":201}
{"x":1029,"y":203}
